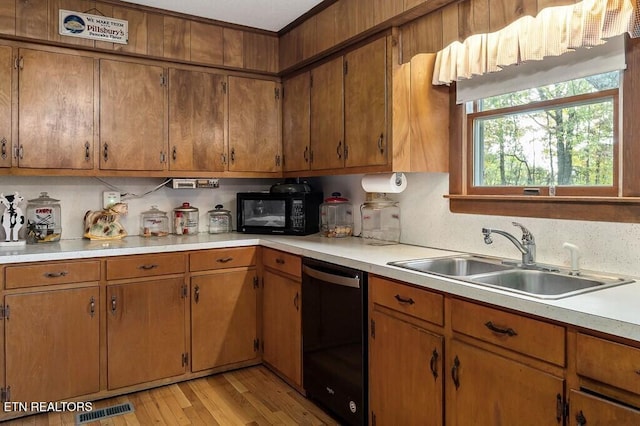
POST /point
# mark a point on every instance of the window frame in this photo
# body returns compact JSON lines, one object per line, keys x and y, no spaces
{"x":601,"y":191}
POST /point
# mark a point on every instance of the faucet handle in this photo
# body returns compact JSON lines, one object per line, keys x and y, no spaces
{"x":527,"y":236}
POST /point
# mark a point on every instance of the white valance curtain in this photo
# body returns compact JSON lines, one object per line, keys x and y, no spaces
{"x":554,"y":31}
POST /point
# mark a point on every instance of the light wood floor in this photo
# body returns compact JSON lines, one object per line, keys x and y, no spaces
{"x":250,"y":396}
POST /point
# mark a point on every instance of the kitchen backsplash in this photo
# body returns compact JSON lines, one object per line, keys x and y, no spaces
{"x":425,"y":216}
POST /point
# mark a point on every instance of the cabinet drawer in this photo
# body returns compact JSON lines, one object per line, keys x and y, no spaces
{"x":589,"y":409}
{"x":284,"y":262}
{"x":609,"y":362}
{"x":416,"y":302}
{"x":525,"y":335}
{"x":52,"y":273}
{"x":222,"y":258}
{"x":145,"y":265}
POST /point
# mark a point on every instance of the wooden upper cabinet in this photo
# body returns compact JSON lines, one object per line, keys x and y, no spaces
{"x":207,"y":43}
{"x":132,"y":108}
{"x":296,"y":134}
{"x":56,"y":124}
{"x":196,"y":120}
{"x":254,"y":125}
{"x":327,"y":117}
{"x":6,"y":79}
{"x":365,"y":105}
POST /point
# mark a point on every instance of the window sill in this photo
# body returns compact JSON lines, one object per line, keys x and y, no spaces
{"x":605,"y":209}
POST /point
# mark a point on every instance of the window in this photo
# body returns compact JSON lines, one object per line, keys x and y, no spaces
{"x":561,"y":136}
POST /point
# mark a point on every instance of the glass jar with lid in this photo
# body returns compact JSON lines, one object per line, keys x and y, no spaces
{"x":336,"y":217}
{"x":43,"y":219}
{"x":154,"y":223}
{"x":219,"y":220}
{"x":380,"y":220}
{"x":186,"y":219}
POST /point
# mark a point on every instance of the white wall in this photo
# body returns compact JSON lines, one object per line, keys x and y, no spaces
{"x":79,"y":194}
{"x":427,"y":221}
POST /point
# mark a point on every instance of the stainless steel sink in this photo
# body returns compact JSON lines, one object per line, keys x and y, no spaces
{"x":546,"y":285}
{"x":454,"y":266}
{"x":540,"y":283}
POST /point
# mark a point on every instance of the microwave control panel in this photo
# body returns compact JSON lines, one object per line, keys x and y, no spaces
{"x":297,"y":214}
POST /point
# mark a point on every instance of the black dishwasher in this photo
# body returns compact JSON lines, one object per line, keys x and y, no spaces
{"x":334,"y":339}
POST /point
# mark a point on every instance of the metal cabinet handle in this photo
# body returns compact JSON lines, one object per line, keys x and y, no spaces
{"x":433,"y":364}
{"x":56,"y":274}
{"x":174,"y":153}
{"x":18,"y":152}
{"x":232,"y":156}
{"x":280,"y":261}
{"x":581,"y":420}
{"x":224,"y":259}
{"x":455,"y":372}
{"x":401,"y":299}
{"x":306,"y":154}
{"x":4,"y":147}
{"x":196,"y":294}
{"x":339,"y":150}
{"x":87,"y":151}
{"x":113,"y":304}
{"x":380,"y":145}
{"x":105,"y":152}
{"x":296,"y":301}
{"x":508,"y":331}
{"x":92,"y":306}
{"x":148,"y":267}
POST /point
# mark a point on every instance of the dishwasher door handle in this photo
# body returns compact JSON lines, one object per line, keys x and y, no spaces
{"x":331,"y":278}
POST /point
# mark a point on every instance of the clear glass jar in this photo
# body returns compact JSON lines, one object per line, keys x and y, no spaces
{"x":336,"y":217}
{"x":43,"y":219}
{"x":219,"y":220}
{"x":380,"y":221}
{"x":185,"y":219}
{"x":154,"y":223}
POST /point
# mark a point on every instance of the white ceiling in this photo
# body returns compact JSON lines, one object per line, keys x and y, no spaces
{"x":271,"y":15}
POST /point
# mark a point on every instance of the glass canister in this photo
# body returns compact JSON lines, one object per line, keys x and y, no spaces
{"x":219,"y":220}
{"x":154,"y":223}
{"x":380,"y":220}
{"x":185,"y":219}
{"x":43,"y":219}
{"x":336,"y":217}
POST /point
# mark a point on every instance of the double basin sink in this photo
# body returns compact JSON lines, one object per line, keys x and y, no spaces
{"x":540,"y":282}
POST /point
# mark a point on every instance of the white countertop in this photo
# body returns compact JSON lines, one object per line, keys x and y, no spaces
{"x":613,"y":310}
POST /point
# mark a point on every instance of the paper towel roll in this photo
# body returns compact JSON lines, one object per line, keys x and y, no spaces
{"x":391,"y":183}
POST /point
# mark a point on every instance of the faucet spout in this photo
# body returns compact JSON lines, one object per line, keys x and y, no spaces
{"x":526,"y":246}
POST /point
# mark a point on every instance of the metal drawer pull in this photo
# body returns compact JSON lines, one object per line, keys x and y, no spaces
{"x":401,"y":299}
{"x":224,"y":259}
{"x":113,"y":304}
{"x":56,"y":274}
{"x":433,"y":364}
{"x":508,"y":331}
{"x":92,"y":306}
{"x":455,"y":372}
{"x":581,"y":420}
{"x":280,"y":261}
{"x":148,"y":267}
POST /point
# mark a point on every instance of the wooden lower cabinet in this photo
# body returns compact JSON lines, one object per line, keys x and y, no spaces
{"x":223,"y":319}
{"x":53,"y":344}
{"x":146,"y":337}
{"x":593,"y":410}
{"x":282,"y":325}
{"x":406,"y":384}
{"x":484,"y":388}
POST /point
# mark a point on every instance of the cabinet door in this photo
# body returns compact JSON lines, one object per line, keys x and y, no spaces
{"x":254,"y":129}
{"x":487,"y":389}
{"x":411,"y":392}
{"x":52,"y":344}
{"x":365,"y":105}
{"x":590,"y":410}
{"x":131,"y":116}
{"x":145,"y":331}
{"x":327,"y":117}
{"x":196,"y":121}
{"x":5,"y":105}
{"x":56,"y":110}
{"x":281,"y":321}
{"x":223,"y":319}
{"x":296,"y":123}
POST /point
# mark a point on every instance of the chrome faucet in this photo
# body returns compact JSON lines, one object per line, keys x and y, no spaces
{"x":527,"y":247}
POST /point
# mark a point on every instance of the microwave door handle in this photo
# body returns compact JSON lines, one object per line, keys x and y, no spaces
{"x":331,"y":278}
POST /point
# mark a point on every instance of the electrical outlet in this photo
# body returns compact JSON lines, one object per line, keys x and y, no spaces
{"x":109,"y":198}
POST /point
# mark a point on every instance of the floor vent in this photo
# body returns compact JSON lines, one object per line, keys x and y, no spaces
{"x":104,"y":413}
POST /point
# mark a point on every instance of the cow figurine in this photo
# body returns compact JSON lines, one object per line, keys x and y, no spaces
{"x":13,"y":218}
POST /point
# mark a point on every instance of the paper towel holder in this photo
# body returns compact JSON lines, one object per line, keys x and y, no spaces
{"x":399,"y":178}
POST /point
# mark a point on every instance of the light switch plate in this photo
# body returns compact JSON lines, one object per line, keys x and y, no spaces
{"x":109,"y":198}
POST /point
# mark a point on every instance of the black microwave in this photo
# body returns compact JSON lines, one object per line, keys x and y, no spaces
{"x":279,"y":213}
